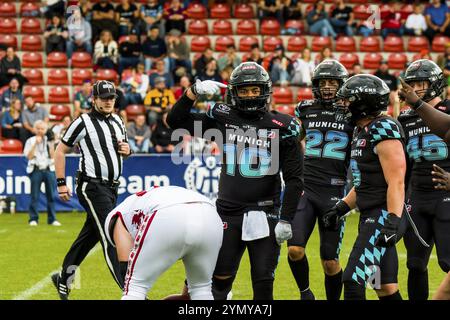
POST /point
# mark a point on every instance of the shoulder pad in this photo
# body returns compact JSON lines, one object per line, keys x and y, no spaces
{"x":217,"y":110}
{"x":291,"y":126}
{"x":444,"y":106}
{"x":405,"y":114}
{"x":302,"y":105}
{"x":385,"y":129}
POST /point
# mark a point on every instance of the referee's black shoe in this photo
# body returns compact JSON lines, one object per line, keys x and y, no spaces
{"x":62,"y":289}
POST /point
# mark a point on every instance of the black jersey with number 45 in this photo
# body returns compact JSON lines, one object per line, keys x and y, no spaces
{"x":424,"y":148}
{"x":328,"y":145}
{"x":368,"y":178}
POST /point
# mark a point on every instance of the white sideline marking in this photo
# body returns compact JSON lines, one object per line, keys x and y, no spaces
{"x":26,"y":294}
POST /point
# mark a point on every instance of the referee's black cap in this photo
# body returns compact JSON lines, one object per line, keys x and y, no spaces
{"x":104,"y":89}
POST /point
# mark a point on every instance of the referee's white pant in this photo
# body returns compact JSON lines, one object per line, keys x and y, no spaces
{"x":192,"y":232}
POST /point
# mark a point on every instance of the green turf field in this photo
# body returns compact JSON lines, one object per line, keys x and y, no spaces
{"x":29,"y":254}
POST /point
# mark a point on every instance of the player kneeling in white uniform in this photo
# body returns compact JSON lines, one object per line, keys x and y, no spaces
{"x":153,"y":229}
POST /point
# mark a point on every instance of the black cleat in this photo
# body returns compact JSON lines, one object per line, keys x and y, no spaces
{"x":62,"y":289}
{"x":307,"y":295}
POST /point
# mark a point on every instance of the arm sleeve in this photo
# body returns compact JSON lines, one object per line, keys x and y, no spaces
{"x":74,"y":133}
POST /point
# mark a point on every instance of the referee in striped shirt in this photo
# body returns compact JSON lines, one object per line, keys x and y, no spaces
{"x":102,"y":138}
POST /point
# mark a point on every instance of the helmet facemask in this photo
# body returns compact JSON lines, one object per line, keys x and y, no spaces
{"x":327,"y":90}
{"x":251,"y":98}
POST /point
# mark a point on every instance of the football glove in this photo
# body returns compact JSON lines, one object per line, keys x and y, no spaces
{"x":207,"y":87}
{"x":388,"y":235}
{"x":283,"y":231}
{"x":331,"y":218}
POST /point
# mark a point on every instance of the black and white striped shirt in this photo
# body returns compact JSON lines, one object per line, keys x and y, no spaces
{"x":98,"y":138}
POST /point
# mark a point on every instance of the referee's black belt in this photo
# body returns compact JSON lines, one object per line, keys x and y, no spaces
{"x":108,"y":183}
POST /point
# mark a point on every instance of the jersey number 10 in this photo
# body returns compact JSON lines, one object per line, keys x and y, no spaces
{"x":245,"y":160}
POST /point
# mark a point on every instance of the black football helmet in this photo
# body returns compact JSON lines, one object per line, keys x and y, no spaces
{"x":249,"y":74}
{"x":426,"y":70}
{"x":367,"y":94}
{"x":328,"y":69}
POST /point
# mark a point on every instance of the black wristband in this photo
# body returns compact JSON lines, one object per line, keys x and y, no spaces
{"x":342,"y":207}
{"x":60,"y":182}
{"x":419,"y":103}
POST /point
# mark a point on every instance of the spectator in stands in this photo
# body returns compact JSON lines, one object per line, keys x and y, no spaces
{"x":130,"y":52}
{"x":40,"y":154}
{"x":162,"y":136}
{"x":255,"y":54}
{"x":10,"y":68}
{"x":135,"y":85}
{"x":393,"y":22}
{"x":152,"y":15}
{"x":106,"y":53}
{"x":324,"y":54}
{"x":185,"y":83}
{"x":82,"y":100}
{"x":139,"y":135}
{"x":154,"y":48}
{"x":103,"y":19}
{"x":175,"y":16}
{"x":271,"y":9}
{"x":444,"y":62}
{"x":292,"y":9}
{"x":86,"y":9}
{"x":229,"y":59}
{"x":365,"y":27}
{"x":390,"y":79}
{"x":55,"y":36}
{"x":161,"y":72}
{"x":60,"y":128}
{"x":53,"y":7}
{"x":200,"y":63}
{"x":280,"y":67}
{"x":80,"y":35}
{"x":303,"y":69}
{"x":211,"y":72}
{"x":356,"y":69}
{"x":10,"y":94}
{"x":126,"y":16}
{"x":158,"y":100}
{"x":416,"y":24}
{"x":438,"y":19}
{"x":342,"y":18}
{"x":31,"y":114}
{"x":12,"y":127}
{"x":178,"y":51}
{"x":319,"y":22}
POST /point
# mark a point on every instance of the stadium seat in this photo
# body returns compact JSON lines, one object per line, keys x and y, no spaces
{"x":243,"y":11}
{"x":34,"y":76}
{"x":346,"y":44}
{"x":7,"y":9}
{"x":56,"y":60}
{"x":370,"y":44}
{"x":222,"y":27}
{"x":357,"y":1}
{"x":246,"y":27}
{"x":31,"y":43}
{"x":270,"y":27}
{"x":439,"y":43}
{"x":283,"y":95}
{"x":36,"y":92}
{"x":270,"y":43}
{"x":198,"y":27}
{"x":196,"y":11}
{"x":222,"y":42}
{"x":397,"y":60}
{"x":9,"y":40}
{"x":318,"y":43}
{"x":266,"y":60}
{"x":296,"y":43}
{"x":393,"y":44}
{"x":384,"y":10}
{"x":58,"y":112}
{"x":58,"y":95}
{"x":245,"y":43}
{"x":361,"y":11}
{"x":133,"y":110}
{"x":372,"y":60}
{"x":304,"y":94}
{"x":417,"y":44}
{"x":107,"y":74}
{"x":31,"y":26}
{"x":28,"y":9}
{"x":11,"y":146}
{"x":32,"y":60}
{"x":57,"y":77}
{"x":295,"y":24}
{"x":200,"y":43}
{"x":220,"y":11}
{"x":406,"y":10}
{"x":349,"y":59}
{"x":8,"y":26}
{"x":286,"y":109}
{"x":81,"y":60}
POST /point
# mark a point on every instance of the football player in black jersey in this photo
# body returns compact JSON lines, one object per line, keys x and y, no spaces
{"x":429,"y":208}
{"x":378,"y":164}
{"x":327,"y":153}
{"x":257,"y":145}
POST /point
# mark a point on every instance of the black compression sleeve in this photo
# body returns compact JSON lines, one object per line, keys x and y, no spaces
{"x":180,"y":112}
